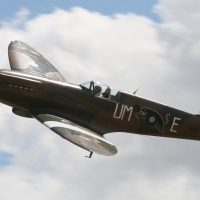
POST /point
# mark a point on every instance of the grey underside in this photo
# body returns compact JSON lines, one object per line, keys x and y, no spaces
{"x":76,"y":134}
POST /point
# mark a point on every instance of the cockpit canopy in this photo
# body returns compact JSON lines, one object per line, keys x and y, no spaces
{"x":101,"y":90}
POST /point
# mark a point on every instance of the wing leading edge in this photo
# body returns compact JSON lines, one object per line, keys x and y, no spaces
{"x":76,"y":134}
{"x":24,"y":58}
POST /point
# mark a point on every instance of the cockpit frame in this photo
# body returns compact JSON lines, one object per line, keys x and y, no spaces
{"x":98,"y":89}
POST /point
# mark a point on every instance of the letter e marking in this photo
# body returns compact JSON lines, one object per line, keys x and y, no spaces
{"x":174,"y":124}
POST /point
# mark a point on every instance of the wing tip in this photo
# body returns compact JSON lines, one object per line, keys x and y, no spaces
{"x":21,"y":55}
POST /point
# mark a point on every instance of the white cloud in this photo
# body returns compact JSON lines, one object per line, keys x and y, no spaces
{"x":20,"y":18}
{"x":124,"y":51}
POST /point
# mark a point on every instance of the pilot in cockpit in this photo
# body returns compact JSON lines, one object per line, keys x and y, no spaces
{"x":97,"y":91}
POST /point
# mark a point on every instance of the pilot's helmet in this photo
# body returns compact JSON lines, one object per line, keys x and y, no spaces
{"x":97,"y":89}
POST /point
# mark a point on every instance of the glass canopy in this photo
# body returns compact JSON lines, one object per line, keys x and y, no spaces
{"x":101,"y":90}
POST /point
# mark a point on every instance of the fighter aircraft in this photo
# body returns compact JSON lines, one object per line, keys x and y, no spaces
{"x":83,"y":114}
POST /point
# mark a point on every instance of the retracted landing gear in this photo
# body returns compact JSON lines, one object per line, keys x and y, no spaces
{"x":90,"y":156}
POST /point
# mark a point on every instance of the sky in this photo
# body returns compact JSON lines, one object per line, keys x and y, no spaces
{"x":124,"y":44}
{"x":142,"y":7}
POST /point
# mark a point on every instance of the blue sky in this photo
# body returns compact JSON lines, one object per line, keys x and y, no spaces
{"x":140,"y":7}
{"x":5,"y":159}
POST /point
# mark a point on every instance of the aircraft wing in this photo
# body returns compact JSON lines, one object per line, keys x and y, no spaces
{"x":24,"y":58}
{"x":76,"y":134}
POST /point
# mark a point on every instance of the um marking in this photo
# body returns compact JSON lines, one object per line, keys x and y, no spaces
{"x":121,"y":113}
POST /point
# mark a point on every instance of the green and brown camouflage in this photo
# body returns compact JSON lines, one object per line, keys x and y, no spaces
{"x":84,"y":113}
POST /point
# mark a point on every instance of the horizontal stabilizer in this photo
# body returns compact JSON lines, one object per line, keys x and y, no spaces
{"x":24,"y":58}
{"x":76,"y":134}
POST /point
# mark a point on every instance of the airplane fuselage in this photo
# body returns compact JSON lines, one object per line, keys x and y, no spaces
{"x":132,"y":114}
